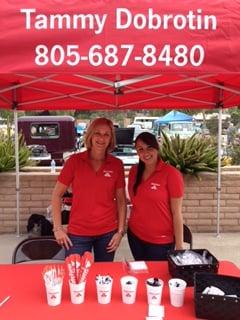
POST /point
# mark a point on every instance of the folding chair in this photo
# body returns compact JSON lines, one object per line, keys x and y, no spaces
{"x":187,"y":235}
{"x":38,"y":248}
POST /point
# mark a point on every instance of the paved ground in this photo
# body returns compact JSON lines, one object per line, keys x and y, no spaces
{"x":224,"y":247}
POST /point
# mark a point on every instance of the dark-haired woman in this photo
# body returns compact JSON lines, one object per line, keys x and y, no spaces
{"x":156,"y":191}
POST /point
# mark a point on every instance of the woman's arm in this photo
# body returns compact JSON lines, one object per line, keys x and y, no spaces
{"x":176,"y":208}
{"x":58,"y":230}
{"x":122,"y":209}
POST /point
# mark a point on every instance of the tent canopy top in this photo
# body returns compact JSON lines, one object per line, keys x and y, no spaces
{"x":118,"y":92}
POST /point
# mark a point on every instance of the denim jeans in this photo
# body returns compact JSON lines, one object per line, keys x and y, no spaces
{"x":142,"y":250}
{"x":96,"y":243}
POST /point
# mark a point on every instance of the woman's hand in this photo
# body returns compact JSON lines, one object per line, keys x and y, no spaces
{"x":114,"y":242}
{"x":179,"y":247}
{"x":62,"y":238}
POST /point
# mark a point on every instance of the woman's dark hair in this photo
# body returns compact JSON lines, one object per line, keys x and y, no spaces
{"x":150,"y":140}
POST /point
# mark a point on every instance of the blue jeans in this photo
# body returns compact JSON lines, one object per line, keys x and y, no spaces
{"x":142,"y":250}
{"x":96,"y":243}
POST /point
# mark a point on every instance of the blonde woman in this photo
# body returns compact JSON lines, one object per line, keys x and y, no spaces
{"x":98,"y":211}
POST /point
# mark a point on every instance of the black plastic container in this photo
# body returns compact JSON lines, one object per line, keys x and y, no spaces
{"x":215,"y":307}
{"x":186,"y":272}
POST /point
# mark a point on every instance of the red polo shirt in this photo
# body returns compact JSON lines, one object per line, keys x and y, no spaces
{"x":94,"y":208}
{"x":151,"y":218}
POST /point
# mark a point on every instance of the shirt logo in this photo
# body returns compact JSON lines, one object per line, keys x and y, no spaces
{"x":107,"y":173}
{"x":154,"y":186}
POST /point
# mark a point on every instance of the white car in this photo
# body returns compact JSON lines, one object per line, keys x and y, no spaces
{"x":138,"y":128}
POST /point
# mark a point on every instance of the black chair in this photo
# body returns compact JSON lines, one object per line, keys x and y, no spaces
{"x":38,"y":248}
{"x":187,"y":235}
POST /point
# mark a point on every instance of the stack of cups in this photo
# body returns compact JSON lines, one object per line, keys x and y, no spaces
{"x":104,"y":289}
{"x":177,"y":289}
{"x":129,"y":289}
{"x":154,"y":290}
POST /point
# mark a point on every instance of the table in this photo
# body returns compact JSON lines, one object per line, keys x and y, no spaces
{"x":24,"y":283}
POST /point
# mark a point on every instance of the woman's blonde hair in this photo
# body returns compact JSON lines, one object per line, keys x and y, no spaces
{"x":91,"y":129}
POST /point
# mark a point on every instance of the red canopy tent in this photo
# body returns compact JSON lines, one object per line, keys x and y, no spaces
{"x":119,"y":54}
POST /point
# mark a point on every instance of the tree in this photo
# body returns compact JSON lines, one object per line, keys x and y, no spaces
{"x":6,"y":114}
{"x":235,"y":115}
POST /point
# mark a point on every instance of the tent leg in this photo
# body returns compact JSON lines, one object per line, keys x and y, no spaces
{"x":219,"y":170}
{"x":17,"y":174}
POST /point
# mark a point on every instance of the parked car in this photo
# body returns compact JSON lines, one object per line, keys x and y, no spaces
{"x":48,"y":136}
{"x":80,"y":128}
{"x":138,"y":128}
{"x":147,"y":122}
{"x":124,"y":146}
{"x":185,"y":129}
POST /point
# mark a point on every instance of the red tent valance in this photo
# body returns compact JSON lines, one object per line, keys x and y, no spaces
{"x":120,"y":36}
{"x":119,"y":54}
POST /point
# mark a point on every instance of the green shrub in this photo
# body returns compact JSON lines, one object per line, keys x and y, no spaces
{"x":7,"y":151}
{"x":191,"y":156}
{"x":234,"y":153}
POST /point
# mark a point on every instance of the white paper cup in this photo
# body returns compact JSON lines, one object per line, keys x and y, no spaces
{"x":77,"y":292}
{"x":154,"y":293}
{"x":104,"y":292}
{"x":177,"y":289}
{"x":129,"y":289}
{"x":54,"y":294}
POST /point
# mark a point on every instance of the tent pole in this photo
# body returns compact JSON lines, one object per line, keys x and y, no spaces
{"x":219,"y":169}
{"x":17,"y":164}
